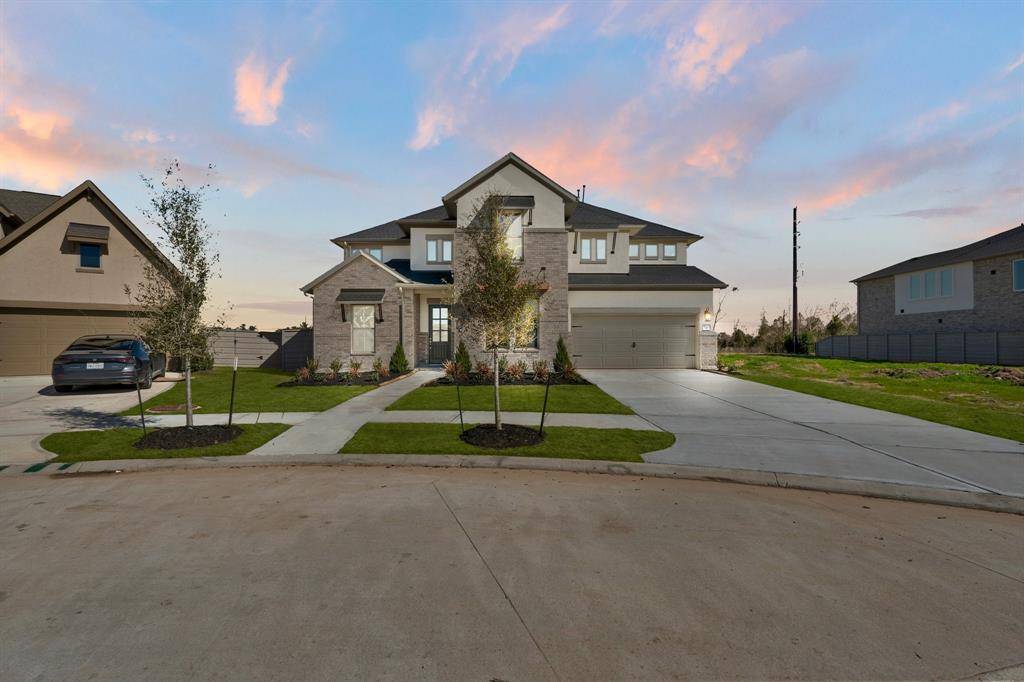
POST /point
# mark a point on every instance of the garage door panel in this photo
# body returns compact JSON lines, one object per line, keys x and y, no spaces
{"x":31,"y":338}
{"x":634,"y":341}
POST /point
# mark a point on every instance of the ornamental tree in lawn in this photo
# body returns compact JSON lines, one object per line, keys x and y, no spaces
{"x":174,"y":292}
{"x":493,"y":296}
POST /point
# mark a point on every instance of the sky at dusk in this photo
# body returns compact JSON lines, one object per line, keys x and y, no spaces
{"x":895,"y":127}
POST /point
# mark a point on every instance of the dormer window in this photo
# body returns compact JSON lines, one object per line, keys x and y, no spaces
{"x":634,"y":252}
{"x":439,"y":249}
{"x":650,"y":252}
{"x":669,"y":252}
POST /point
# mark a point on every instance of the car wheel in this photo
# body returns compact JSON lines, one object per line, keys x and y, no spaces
{"x":148,"y":381}
{"x":63,"y":389}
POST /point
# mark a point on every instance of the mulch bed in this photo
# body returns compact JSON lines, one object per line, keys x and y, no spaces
{"x":180,"y":437}
{"x":510,"y":436}
{"x":363,"y":379}
{"x":476,"y":379}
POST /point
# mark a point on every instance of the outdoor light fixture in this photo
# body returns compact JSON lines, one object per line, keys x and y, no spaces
{"x":707,"y":314}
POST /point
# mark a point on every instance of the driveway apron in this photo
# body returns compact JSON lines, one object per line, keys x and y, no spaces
{"x":722,"y":421}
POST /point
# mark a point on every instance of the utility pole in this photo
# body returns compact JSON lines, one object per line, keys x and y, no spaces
{"x":795,"y":314}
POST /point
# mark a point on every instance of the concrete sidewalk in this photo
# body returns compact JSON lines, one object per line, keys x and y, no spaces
{"x":723,"y":421}
{"x":327,"y":431}
{"x":593,"y":421}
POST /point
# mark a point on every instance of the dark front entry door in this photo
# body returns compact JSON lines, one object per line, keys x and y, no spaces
{"x":439,"y":347}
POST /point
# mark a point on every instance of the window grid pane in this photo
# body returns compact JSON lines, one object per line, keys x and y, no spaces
{"x":634,"y":250}
{"x":1018,"y":275}
{"x":946,"y":283}
{"x":650,"y":251}
{"x":446,"y":250}
{"x":431,"y":250}
{"x":585,"y":249}
{"x":915,"y":286}
{"x":600,"y":249}
{"x":929,"y":284}
{"x":670,"y":251}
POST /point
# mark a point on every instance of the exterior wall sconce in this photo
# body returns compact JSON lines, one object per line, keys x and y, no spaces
{"x":707,"y":314}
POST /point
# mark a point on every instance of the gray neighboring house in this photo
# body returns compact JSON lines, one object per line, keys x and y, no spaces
{"x":973,"y":288}
{"x":620,"y":290}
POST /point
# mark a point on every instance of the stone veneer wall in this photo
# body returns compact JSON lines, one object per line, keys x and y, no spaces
{"x":332,"y":337}
{"x":997,"y":307}
{"x":547,"y":249}
{"x":707,"y":357}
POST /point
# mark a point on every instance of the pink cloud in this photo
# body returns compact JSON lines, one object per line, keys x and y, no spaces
{"x":37,"y":123}
{"x":1014,"y":65}
{"x":258,"y":94}
{"x":723,"y":32}
{"x":461,"y":82}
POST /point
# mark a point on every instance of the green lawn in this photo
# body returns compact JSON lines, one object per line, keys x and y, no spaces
{"x":257,"y":391}
{"x":84,"y":446}
{"x":563,"y":442}
{"x":563,"y":398}
{"x":957,"y":395}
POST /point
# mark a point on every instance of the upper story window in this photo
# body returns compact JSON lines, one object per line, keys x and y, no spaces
{"x":439,"y":249}
{"x":650,"y":252}
{"x":669,"y":251}
{"x":1018,"y":275}
{"x":930,"y":284}
{"x":89,"y":255}
{"x":375,"y":251}
{"x":634,"y":251}
{"x":594,"y":250}
{"x":514,"y":237}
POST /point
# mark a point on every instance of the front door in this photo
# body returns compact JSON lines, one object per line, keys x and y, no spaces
{"x":439,"y":347}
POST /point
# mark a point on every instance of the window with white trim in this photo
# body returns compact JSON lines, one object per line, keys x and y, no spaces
{"x":363,"y":322}
{"x":377,"y":252}
{"x":634,"y":252}
{"x":594,"y":250}
{"x":650,"y":252}
{"x":514,"y":237}
{"x":930,"y":284}
{"x":439,"y":249}
{"x":669,"y":251}
{"x":1018,"y":275}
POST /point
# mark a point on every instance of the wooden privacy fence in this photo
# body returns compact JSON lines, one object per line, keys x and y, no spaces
{"x":979,"y":348}
{"x":285,"y":349}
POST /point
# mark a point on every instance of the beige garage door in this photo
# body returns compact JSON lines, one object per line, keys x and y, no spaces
{"x":634,"y":341}
{"x":31,"y":338}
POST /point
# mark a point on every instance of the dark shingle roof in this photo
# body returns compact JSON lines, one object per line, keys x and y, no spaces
{"x":401,"y":266}
{"x":1010,"y":241}
{"x":26,"y":205}
{"x":392,"y":231}
{"x":647,"y":276}
{"x":589,"y":215}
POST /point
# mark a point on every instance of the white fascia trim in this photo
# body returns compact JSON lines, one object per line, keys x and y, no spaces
{"x":348,"y":261}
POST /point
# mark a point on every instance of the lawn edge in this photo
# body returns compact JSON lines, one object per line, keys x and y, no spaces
{"x":891,"y":491}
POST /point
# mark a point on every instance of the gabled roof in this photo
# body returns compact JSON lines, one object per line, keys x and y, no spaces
{"x":1010,"y":241}
{"x":589,"y":216}
{"x":349,"y":261}
{"x":647,"y":277}
{"x":25,"y":205}
{"x":393,"y":230}
{"x":86,"y":188}
{"x":449,"y":199}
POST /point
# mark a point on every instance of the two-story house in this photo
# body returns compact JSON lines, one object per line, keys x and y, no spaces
{"x":619,"y":289}
{"x":974,"y":288}
{"x":64,"y":264}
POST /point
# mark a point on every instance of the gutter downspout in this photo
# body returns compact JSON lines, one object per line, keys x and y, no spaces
{"x":401,"y":316}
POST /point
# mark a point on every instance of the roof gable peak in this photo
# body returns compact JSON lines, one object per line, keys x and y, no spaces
{"x":514,"y":159}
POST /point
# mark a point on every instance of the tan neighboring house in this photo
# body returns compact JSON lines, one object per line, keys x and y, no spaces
{"x":64,"y":264}
{"x":620,"y":290}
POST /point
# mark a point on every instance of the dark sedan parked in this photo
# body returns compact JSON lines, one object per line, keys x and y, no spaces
{"x":107,"y":359}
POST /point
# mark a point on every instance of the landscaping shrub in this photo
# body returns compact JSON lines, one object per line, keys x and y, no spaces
{"x":336,"y":366}
{"x":312,"y":364}
{"x":484,"y":370}
{"x":516,"y":371}
{"x":202,"y":362}
{"x":462,"y":359}
{"x":562,"y":359}
{"x":540,"y":370}
{"x":380,"y":369}
{"x":354,"y":366}
{"x":502,"y":366}
{"x":302,"y":375}
{"x":399,"y":364}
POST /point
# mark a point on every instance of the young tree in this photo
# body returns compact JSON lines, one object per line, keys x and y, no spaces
{"x":173,"y":295}
{"x":493,"y":296}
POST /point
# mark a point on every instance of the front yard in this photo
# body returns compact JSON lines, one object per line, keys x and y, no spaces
{"x":563,"y":442}
{"x":84,"y":446}
{"x":257,"y":390}
{"x":580,"y":398}
{"x":965,"y":396}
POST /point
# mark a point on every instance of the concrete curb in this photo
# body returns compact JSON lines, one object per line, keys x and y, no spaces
{"x":880,"y":489}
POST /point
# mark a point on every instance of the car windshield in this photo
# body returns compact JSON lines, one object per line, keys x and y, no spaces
{"x":102,"y":343}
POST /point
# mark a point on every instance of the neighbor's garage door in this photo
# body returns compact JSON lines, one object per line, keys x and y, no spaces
{"x":31,"y":338}
{"x":634,"y":341}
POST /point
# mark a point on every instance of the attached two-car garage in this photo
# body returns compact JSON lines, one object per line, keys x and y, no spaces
{"x":625,"y":341}
{"x":30,"y":338}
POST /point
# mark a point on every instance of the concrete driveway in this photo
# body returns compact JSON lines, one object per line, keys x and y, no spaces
{"x":722,"y":421}
{"x":31,"y":409}
{"x":327,"y":573}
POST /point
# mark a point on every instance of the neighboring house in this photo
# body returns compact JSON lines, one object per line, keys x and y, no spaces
{"x":974,"y":288}
{"x":64,"y":264}
{"x":619,"y":289}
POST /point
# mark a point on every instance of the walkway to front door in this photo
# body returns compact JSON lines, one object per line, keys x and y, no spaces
{"x":439,"y":344}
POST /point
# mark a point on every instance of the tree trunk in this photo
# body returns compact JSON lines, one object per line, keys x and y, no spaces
{"x":188,"y":391}
{"x":497,"y":395}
